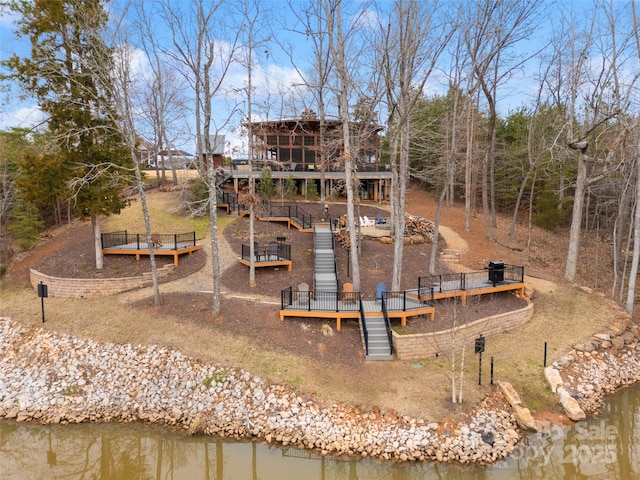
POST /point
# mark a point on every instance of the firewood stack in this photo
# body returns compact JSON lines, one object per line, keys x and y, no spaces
{"x":419,"y":226}
{"x":343,"y":238}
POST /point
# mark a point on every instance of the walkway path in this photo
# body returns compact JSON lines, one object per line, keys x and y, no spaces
{"x":202,"y":280}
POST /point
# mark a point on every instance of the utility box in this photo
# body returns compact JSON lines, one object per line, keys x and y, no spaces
{"x":496,"y":272}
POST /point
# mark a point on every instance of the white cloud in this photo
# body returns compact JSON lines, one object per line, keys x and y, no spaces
{"x":24,"y":117}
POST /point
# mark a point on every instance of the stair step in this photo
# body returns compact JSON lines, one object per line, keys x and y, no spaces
{"x":379,"y":357}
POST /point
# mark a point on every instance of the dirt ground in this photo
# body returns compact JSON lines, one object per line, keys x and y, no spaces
{"x":304,"y":352}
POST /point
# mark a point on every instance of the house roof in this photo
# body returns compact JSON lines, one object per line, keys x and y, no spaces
{"x":312,"y":124}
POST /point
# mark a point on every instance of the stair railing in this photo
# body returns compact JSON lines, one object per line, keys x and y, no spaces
{"x":363,"y":326}
{"x":387,"y":321}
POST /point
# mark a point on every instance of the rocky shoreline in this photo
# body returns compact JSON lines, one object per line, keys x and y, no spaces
{"x":597,"y":367}
{"x":49,"y":378}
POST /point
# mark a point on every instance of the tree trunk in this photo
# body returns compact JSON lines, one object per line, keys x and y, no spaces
{"x":576,"y":220}
{"x":215,"y":249}
{"x":436,"y":228}
{"x":633,"y":274}
{"x":97,"y":241}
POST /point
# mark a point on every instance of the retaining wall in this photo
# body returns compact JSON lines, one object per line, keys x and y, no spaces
{"x":93,"y":287}
{"x":426,"y":345}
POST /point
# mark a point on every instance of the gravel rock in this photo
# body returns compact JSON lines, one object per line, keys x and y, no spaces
{"x":49,"y":378}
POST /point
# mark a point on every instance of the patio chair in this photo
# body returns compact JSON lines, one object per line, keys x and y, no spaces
{"x":303,"y":292}
{"x":347,"y":293}
{"x":365,"y":222}
{"x":155,"y":240}
{"x":274,"y":250}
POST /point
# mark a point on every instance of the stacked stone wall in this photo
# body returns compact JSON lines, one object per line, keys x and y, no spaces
{"x":427,"y":345}
{"x":92,"y":287}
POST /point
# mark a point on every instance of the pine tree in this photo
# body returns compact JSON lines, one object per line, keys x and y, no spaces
{"x":66,"y":44}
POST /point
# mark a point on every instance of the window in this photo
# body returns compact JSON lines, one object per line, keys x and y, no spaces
{"x":272,"y":140}
{"x":296,"y":155}
{"x":309,"y":157}
{"x":309,"y":140}
{"x":284,"y":155}
{"x":283,"y":140}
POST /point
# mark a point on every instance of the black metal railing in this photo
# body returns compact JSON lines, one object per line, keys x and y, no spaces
{"x":113,"y":239}
{"x":138,"y":241}
{"x":363,"y":326}
{"x":387,"y":323}
{"x":231,"y":199}
{"x":447,"y":282}
{"x":403,"y":300}
{"x":294,"y":213}
{"x":267,"y":253}
{"x":319,"y":301}
{"x":450,"y":282}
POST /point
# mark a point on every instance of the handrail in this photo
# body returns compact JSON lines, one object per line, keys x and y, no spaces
{"x":164,"y":241}
{"x":365,"y":332}
{"x":286,"y":297}
{"x":450,"y":282}
{"x":320,"y":301}
{"x":387,"y":321}
{"x":267,"y":253}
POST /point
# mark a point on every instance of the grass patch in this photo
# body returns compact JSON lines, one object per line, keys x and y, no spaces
{"x":162,"y":208}
{"x":217,"y":378}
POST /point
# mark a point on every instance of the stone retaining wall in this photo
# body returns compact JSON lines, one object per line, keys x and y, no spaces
{"x":93,"y":287}
{"x":426,"y":345}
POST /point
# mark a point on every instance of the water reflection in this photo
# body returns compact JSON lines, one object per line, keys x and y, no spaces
{"x":607,"y":447}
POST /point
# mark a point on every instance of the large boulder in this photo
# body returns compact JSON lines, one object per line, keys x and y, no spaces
{"x":570,"y":405}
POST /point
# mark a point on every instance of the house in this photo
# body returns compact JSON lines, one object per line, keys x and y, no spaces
{"x":301,"y":149}
{"x":216,"y":144}
{"x":171,"y":158}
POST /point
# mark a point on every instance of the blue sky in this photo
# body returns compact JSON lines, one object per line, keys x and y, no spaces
{"x":274,"y":77}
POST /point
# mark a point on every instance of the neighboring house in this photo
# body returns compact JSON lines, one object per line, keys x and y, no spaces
{"x":164,"y":158}
{"x":294,"y":148}
{"x":171,"y":158}
{"x":217,"y":144}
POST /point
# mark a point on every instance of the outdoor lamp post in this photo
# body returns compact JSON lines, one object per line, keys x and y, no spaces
{"x":42,"y":293}
{"x":479,"y":348}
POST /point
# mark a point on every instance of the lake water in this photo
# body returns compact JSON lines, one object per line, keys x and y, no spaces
{"x":605,"y":447}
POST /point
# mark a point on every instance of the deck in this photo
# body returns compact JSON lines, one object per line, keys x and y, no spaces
{"x":275,"y":254}
{"x":174,"y":244}
{"x":407,"y":303}
{"x":346,"y":305}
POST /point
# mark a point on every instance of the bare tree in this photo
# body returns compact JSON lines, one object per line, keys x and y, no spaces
{"x":413,"y":42}
{"x":317,"y":80}
{"x":338,"y":47}
{"x":204,"y":61}
{"x":594,"y":84}
{"x":251,"y":13}
{"x":163,"y":103}
{"x":493,"y":27}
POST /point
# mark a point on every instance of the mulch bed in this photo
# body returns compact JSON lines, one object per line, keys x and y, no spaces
{"x":70,"y":254}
